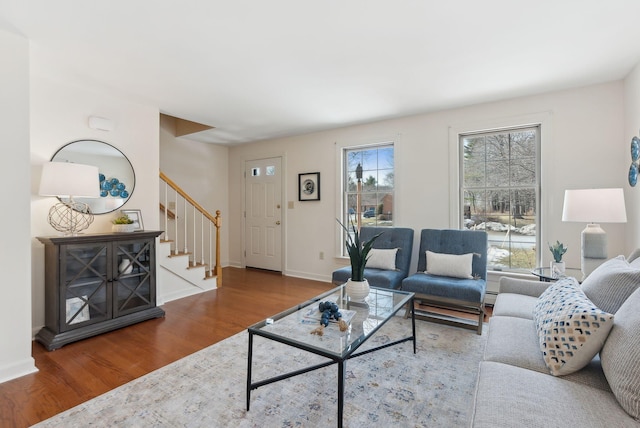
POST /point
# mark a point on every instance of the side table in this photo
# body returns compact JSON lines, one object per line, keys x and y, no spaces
{"x":545,"y":274}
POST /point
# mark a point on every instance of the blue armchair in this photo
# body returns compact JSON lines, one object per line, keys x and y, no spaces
{"x":392,"y":237}
{"x":456,"y":278}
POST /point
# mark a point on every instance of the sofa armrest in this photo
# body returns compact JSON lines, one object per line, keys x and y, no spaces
{"x":523,"y":286}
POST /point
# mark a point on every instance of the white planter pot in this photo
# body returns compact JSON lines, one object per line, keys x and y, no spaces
{"x":123,"y":227}
{"x":357,"y":290}
{"x":557,"y":268}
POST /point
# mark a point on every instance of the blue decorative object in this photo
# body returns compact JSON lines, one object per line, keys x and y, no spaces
{"x":635,"y":148}
{"x":113,"y":187}
{"x":633,"y":174}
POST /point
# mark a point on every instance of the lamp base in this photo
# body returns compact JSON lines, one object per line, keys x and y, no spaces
{"x":70,"y":217}
{"x":593,"y":248}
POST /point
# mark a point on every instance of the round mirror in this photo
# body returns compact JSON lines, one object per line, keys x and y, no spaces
{"x":117,"y":179}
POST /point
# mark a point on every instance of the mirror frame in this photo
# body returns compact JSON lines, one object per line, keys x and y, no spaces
{"x":91,"y":201}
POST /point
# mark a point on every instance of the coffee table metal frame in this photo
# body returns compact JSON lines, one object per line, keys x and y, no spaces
{"x":339,"y":358}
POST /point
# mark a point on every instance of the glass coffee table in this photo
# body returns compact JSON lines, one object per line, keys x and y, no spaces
{"x":293,"y":327}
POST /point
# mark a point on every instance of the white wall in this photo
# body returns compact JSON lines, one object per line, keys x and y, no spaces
{"x":585,"y":148}
{"x":15,"y":254}
{"x":59,"y":115}
{"x":631,"y":129}
{"x":202,"y":170}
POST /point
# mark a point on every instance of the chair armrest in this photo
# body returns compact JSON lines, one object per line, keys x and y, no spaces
{"x":522,"y":286}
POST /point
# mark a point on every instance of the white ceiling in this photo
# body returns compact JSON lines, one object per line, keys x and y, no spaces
{"x":258,"y":69}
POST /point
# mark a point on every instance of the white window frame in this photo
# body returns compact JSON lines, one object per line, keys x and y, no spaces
{"x":543,"y":121}
{"x":341,"y":151}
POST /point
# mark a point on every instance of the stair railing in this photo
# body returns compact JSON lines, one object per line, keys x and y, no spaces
{"x":193,"y":230}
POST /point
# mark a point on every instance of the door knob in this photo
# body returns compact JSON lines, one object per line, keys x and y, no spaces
{"x":278,"y":222}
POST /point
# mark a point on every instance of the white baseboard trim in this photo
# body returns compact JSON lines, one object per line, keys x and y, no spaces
{"x":18,"y":369}
{"x":306,"y":275}
{"x":181,"y":293}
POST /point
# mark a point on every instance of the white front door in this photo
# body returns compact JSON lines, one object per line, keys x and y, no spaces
{"x":263,"y":215}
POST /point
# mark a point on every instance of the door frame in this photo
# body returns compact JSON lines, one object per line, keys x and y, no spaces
{"x":284,"y":203}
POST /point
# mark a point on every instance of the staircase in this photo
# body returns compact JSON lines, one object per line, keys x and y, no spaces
{"x":189,"y":250}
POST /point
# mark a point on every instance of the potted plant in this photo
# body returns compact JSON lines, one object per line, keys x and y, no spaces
{"x":557,"y":265}
{"x":122,"y":224}
{"x":357,"y":286}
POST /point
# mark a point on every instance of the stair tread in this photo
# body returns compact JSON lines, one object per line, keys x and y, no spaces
{"x":179,"y":254}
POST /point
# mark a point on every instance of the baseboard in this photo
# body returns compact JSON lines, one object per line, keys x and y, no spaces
{"x":18,"y":369}
{"x":306,"y":275}
{"x":179,"y":294}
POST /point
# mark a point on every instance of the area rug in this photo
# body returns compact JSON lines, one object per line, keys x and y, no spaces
{"x":389,"y":387}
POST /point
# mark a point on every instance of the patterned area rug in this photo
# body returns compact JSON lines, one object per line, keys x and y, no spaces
{"x":393,"y":386}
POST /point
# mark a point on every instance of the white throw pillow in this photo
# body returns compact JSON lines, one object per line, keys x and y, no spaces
{"x":453,"y":265}
{"x":382,"y":259}
{"x":571,"y":329}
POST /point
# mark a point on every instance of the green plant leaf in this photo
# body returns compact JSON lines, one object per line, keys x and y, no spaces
{"x":358,"y":252}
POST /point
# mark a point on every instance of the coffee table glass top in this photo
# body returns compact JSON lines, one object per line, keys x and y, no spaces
{"x":294,"y":325}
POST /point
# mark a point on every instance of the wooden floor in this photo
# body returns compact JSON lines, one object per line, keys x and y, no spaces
{"x":83,"y":370}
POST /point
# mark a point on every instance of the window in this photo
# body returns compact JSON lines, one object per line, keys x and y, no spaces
{"x":375,"y":207}
{"x":500,"y":194}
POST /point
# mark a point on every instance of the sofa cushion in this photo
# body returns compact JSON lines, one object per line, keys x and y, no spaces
{"x":611,"y":283}
{"x":571,"y":329}
{"x":508,"y":396}
{"x":376,"y":277}
{"x":514,"y":341}
{"x":514,"y":305}
{"x":382,"y":258}
{"x":621,"y":356}
{"x":468,"y":290}
{"x":452,"y":265}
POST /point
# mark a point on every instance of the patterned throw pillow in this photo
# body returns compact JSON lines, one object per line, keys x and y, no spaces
{"x":571,"y":329}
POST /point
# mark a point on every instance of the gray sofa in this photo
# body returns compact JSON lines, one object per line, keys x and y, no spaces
{"x":515,"y":386}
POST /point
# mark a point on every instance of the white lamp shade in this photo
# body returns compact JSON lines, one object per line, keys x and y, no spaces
{"x":594,"y":206}
{"x":66,"y":179}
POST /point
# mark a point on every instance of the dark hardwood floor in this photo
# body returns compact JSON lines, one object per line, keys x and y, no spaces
{"x":83,"y":370}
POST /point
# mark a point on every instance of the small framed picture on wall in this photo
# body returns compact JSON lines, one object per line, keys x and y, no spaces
{"x":309,"y":186}
{"x":136,"y":216}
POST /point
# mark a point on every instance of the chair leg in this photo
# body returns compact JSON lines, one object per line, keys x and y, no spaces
{"x":407,"y":310}
{"x":481,"y":319}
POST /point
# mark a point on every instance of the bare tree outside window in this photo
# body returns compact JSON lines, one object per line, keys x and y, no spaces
{"x":500,"y":194}
{"x":376,"y":201}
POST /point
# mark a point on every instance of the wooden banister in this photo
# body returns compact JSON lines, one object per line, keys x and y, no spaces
{"x":215,"y":220}
{"x":184,"y":194}
{"x":170,"y":213}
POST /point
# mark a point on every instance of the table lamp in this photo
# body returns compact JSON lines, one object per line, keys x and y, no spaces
{"x":594,"y":206}
{"x":68,"y":180}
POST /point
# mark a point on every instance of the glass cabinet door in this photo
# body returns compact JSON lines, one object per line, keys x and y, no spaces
{"x":84,"y":280}
{"x":133,"y":276}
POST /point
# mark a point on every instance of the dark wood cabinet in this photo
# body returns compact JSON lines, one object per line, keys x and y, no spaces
{"x":97,"y":283}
